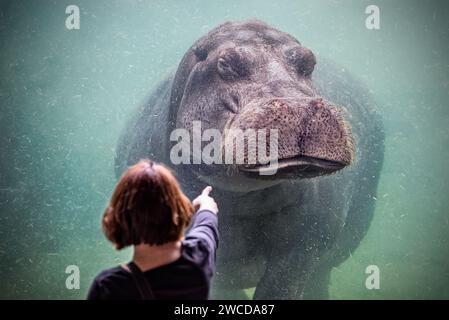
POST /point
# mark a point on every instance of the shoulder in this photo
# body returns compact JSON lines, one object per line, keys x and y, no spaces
{"x":109,"y":283}
{"x":111,"y":277}
{"x":111,"y":274}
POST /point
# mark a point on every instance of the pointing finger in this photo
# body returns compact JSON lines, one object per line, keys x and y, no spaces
{"x":206,"y":191}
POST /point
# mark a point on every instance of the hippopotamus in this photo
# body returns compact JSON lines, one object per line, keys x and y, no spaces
{"x":281,"y":233}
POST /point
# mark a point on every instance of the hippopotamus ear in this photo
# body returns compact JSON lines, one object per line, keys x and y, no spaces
{"x":200,"y":53}
{"x":307,"y":63}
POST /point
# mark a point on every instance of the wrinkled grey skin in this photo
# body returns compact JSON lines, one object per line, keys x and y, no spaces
{"x":282,"y":233}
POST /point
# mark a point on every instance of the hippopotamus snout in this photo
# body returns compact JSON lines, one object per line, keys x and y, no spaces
{"x":313,"y":137}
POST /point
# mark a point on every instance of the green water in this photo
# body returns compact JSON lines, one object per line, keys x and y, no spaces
{"x":65,"y":96}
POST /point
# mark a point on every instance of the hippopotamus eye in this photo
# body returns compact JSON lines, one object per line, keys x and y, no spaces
{"x":303,"y":59}
{"x":233,"y":64}
{"x":225,"y":69}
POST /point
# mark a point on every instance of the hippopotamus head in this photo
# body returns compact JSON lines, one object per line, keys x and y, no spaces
{"x":251,"y":76}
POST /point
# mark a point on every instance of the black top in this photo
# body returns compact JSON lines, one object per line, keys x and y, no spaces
{"x":188,"y":277}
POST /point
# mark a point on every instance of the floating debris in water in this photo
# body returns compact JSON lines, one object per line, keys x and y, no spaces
{"x":335,"y":268}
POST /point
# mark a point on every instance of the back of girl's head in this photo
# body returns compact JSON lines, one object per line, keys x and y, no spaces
{"x":147,"y":207}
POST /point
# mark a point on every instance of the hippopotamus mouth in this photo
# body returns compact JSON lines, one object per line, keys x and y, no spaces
{"x":294,"y":167}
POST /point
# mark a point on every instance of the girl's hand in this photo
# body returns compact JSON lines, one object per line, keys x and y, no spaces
{"x":205,"y":202}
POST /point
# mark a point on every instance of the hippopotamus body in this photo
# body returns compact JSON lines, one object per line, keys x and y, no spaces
{"x":281,"y":233}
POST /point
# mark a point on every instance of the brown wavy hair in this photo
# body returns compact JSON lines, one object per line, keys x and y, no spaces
{"x":146,"y":207}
